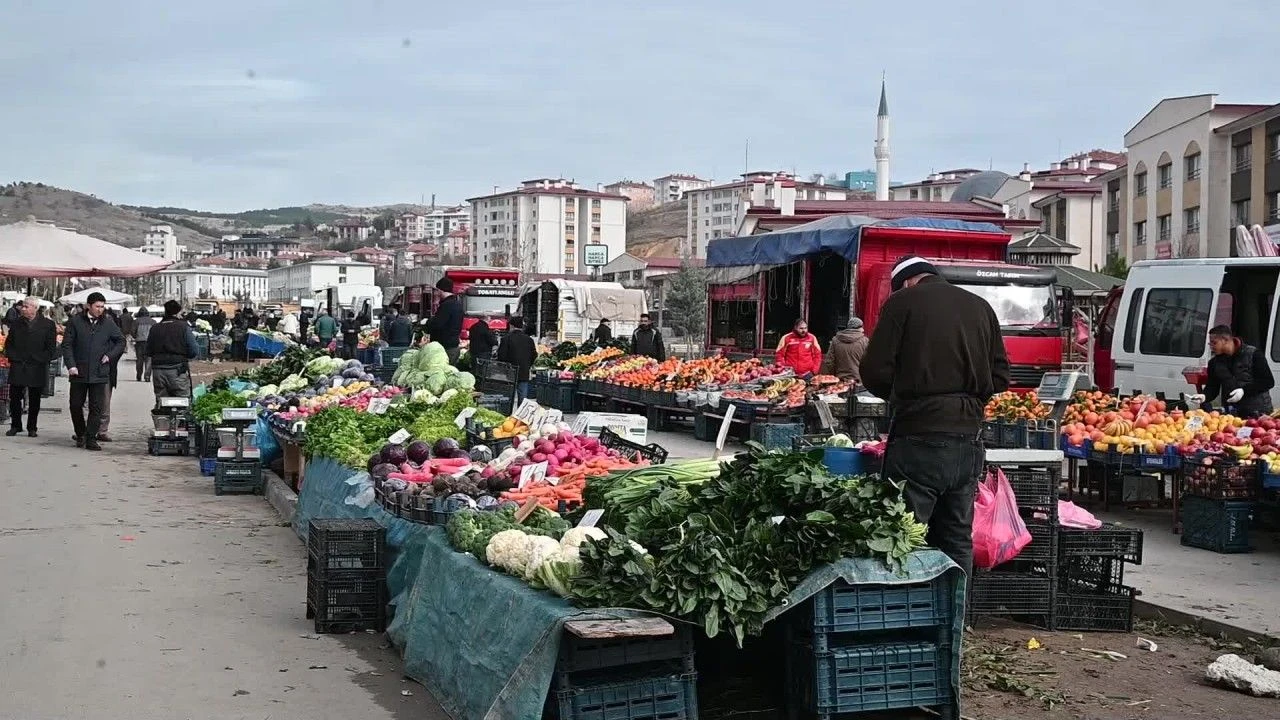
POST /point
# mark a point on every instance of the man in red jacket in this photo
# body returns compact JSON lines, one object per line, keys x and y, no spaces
{"x":800,"y":351}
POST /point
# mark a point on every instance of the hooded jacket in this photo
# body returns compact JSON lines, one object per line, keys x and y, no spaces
{"x":844,"y":357}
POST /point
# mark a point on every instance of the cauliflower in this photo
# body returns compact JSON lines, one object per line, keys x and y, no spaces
{"x":575,"y":536}
{"x":541,"y":549}
{"x":509,"y":550}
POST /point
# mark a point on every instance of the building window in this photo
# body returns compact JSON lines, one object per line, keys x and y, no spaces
{"x":1191,"y":220}
{"x":1240,"y":212}
{"x":1139,"y":184}
{"x":1164,"y":176}
{"x":1165,"y":225}
{"x":1273,"y":147}
{"x":1140,"y":233}
{"x":1242,"y":157}
{"x":1176,"y":322}
{"x":1191,"y":164}
{"x":1113,"y":200}
{"x":1113,"y":244}
{"x":1273,"y":207}
{"x":915,"y":194}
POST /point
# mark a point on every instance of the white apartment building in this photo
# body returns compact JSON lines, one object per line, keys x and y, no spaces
{"x":542,"y":226}
{"x":161,"y":242}
{"x":435,"y":223}
{"x":302,"y":280}
{"x":672,"y":188}
{"x":640,"y":196}
{"x":219,"y":283}
{"x":718,"y":210}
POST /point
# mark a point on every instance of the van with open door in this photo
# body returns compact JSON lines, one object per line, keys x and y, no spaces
{"x":1156,"y":329}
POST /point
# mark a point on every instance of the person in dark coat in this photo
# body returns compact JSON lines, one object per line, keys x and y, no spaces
{"x":845,"y":354}
{"x":397,"y":331}
{"x":90,"y":344}
{"x":445,"y":326}
{"x":350,"y":336}
{"x":142,"y":325}
{"x":647,"y":340}
{"x":936,"y":356}
{"x":304,"y":326}
{"x":1239,"y":373}
{"x":12,"y":314}
{"x":483,"y":341}
{"x":218,"y":320}
{"x":603,"y":334}
{"x":240,"y":337}
{"x":31,"y":345}
{"x":520,"y":350}
{"x":172,"y":346}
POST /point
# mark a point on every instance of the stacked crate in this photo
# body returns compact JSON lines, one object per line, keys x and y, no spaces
{"x":1217,"y":503}
{"x":1091,"y":595}
{"x":346,"y":575}
{"x":627,"y":669}
{"x":1023,"y":588}
{"x":864,"y":648}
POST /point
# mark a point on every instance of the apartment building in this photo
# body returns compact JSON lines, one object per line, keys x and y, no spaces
{"x":161,"y":242}
{"x":255,"y":245}
{"x":1255,"y":169}
{"x":352,"y":229}
{"x":718,"y":210}
{"x":543,"y":226}
{"x":414,"y":226}
{"x":222,"y":283}
{"x":640,"y":196}
{"x":672,"y":188}
{"x":303,"y":280}
{"x":937,"y":187}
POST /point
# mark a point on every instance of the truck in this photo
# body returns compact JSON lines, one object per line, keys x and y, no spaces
{"x":831,"y":269}
{"x":487,"y":293}
{"x":350,"y":296}
{"x":571,"y":309}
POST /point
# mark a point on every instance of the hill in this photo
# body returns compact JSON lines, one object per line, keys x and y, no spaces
{"x":267,"y":217}
{"x":89,"y":215}
{"x":658,"y":231}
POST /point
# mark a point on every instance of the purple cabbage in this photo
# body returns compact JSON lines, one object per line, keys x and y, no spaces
{"x":394,"y":453}
{"x":418,"y":451}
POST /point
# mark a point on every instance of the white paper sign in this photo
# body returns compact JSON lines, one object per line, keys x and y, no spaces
{"x":399,"y":436}
{"x":527,"y":411}
{"x":579,"y":425}
{"x":1244,"y":433}
{"x":1194,"y":423}
{"x":824,"y":413}
{"x":777,"y":519}
{"x":461,"y":420}
{"x":724,"y":428}
{"x":337,"y":382}
{"x":378,"y":406}
{"x":591,"y":518}
{"x":299,"y":426}
{"x":531,"y":473}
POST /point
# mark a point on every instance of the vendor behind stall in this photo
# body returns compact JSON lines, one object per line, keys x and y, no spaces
{"x":800,"y":350}
{"x":1239,"y":373}
{"x":844,"y":357}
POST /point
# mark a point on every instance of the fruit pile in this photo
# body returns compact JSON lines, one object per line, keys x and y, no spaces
{"x":582,"y":362}
{"x":1009,"y":406}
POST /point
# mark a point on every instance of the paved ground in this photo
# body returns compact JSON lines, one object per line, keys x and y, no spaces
{"x":131,"y":591}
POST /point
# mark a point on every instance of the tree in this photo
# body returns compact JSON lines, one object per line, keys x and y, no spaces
{"x":1116,"y":266}
{"x":684,"y":303}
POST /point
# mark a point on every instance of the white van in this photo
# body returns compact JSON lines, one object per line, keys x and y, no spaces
{"x":1159,"y":328}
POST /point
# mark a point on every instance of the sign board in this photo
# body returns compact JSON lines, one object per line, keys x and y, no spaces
{"x":461,"y":420}
{"x":532,"y":474}
{"x":824,"y":414}
{"x":1194,"y":423}
{"x":724,"y":428}
{"x":595,"y":254}
{"x":1244,"y":433}
{"x":378,"y":406}
{"x":399,"y":436}
{"x":526,"y":510}
{"x":528,"y":412}
{"x":591,"y":518}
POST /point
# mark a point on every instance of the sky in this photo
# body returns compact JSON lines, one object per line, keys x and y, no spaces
{"x":235,"y":104}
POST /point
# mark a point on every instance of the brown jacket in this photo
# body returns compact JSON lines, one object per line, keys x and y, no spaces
{"x":845,"y":355}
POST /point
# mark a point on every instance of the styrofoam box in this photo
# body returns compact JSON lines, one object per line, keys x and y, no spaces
{"x":632,"y":427}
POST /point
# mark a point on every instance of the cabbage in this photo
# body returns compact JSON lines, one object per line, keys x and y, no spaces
{"x":266,"y":390}
{"x":435,"y":381}
{"x":840,"y":440}
{"x":557,"y":572}
{"x":407,"y":359}
{"x":464,"y":381}
{"x":432,"y":357}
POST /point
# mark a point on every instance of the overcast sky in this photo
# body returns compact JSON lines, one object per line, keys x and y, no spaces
{"x":237,"y":104}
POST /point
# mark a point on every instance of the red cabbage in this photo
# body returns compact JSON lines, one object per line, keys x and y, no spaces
{"x":418,"y":451}
{"x":394,"y":453}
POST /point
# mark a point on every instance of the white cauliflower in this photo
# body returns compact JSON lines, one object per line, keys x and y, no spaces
{"x":509,"y":550}
{"x":577,"y":535}
{"x":541,"y":549}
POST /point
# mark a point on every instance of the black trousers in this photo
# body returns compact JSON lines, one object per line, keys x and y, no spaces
{"x":32,"y":394}
{"x":940,"y":472}
{"x":350,"y":349}
{"x":96,"y":394}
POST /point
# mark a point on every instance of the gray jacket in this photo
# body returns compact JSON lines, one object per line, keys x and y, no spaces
{"x":84,"y":343}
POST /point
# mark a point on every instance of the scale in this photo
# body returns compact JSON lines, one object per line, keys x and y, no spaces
{"x":171,"y":427}
{"x":239,"y":464}
{"x":1056,"y":390}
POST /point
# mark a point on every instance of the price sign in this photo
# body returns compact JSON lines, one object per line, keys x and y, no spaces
{"x":337,"y":382}
{"x":527,"y":411}
{"x":1194,"y":423}
{"x":299,"y":426}
{"x":1244,"y":433}
{"x":591,"y":518}
{"x":399,"y":436}
{"x":551,"y":415}
{"x":378,"y":406}
{"x":526,"y":510}
{"x":580,"y":425}
{"x":461,"y":420}
{"x":777,"y":519}
{"x":531,"y":473}
{"x":724,"y":429}
{"x":824,"y":413}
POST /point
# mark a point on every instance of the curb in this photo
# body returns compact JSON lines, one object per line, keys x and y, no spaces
{"x":1151,"y":611}
{"x":282,"y":497}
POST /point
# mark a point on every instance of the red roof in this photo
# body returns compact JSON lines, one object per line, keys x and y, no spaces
{"x":460,"y":233}
{"x":327,"y":253}
{"x":421,"y":248}
{"x":369,"y":251}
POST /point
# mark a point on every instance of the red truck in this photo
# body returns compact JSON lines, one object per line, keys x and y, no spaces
{"x":488,"y":293}
{"x":827,"y":270}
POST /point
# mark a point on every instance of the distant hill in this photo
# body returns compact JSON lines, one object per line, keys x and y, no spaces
{"x":265,"y":218}
{"x":658,"y":231}
{"x":90,"y":215}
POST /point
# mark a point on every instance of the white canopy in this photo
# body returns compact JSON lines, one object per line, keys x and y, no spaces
{"x":35,"y":249}
{"x":82,"y":296}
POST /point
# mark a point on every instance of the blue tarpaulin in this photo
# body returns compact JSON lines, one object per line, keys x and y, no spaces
{"x":837,"y":233}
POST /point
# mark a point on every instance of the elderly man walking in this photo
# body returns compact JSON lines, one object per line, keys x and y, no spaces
{"x":90,"y":344}
{"x":32,"y":344}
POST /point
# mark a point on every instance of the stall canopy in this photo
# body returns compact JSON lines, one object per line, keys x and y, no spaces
{"x":33,"y":249}
{"x":80,"y":297}
{"x":837,"y":233}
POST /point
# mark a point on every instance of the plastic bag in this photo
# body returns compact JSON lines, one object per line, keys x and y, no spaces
{"x":999,"y":533}
{"x":1073,"y":516}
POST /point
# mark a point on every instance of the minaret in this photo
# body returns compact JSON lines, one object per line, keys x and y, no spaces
{"x":882,"y":146}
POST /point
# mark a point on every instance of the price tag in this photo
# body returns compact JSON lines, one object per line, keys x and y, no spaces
{"x":378,"y":406}
{"x":551,"y":415}
{"x":337,"y":383}
{"x":580,"y":425}
{"x":829,"y":399}
{"x":724,"y":429}
{"x":1194,"y":423}
{"x":591,"y":518}
{"x":526,"y":510}
{"x":1244,"y":433}
{"x":527,"y":411}
{"x":399,"y":436}
{"x":824,"y":413}
{"x":461,"y":420}
{"x":299,"y":426}
{"x":777,"y":519}
{"x":1142,"y":408}
{"x":531,"y":473}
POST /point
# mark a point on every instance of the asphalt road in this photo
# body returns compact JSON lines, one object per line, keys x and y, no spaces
{"x":128,"y":590}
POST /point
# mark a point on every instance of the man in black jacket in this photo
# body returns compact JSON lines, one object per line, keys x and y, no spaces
{"x":445,"y":326}
{"x":90,"y":344}
{"x":520,"y":350}
{"x":603,"y":334}
{"x":172,"y":346}
{"x":396,"y":328}
{"x":647,"y":340}
{"x":937,"y":356}
{"x":32,"y":344}
{"x":1239,"y":373}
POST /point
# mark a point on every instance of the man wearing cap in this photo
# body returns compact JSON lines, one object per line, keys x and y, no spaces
{"x":90,"y":344}
{"x":172,"y":346}
{"x":937,"y":356}
{"x":445,"y":326}
{"x":844,"y":357}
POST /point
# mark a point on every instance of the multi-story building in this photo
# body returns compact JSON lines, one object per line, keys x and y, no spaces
{"x":457,"y":244}
{"x":672,"y":188}
{"x":221,"y":283}
{"x":435,"y":223}
{"x":163,"y":243}
{"x":718,"y":210}
{"x":352,"y":229}
{"x":938,"y":187}
{"x":543,"y":226}
{"x":1179,"y":178}
{"x":414,"y":255}
{"x":640,"y":196}
{"x":374,"y":256}
{"x":255,"y":245}
{"x":1255,"y":169}
{"x":303,"y":280}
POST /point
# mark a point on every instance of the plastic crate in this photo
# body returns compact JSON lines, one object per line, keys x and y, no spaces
{"x":1109,"y":540}
{"x":776,"y":436}
{"x":673,"y":697}
{"x":391,"y":356}
{"x":478,"y":434}
{"x":1011,"y":435}
{"x":562,"y":396}
{"x":991,"y":433}
{"x":1026,"y":596}
{"x":1089,"y":609}
{"x":1219,"y":478}
{"x":167,"y":446}
{"x":705,"y":428}
{"x":653,"y":452}
{"x":842,"y":607}
{"x":1218,"y":525}
{"x":1270,"y":480}
{"x":585,"y":655}
{"x":347,"y":543}
{"x":861,"y":678}
{"x":1090,"y":572}
{"x":208,"y":466}
{"x":1168,"y":460}
{"x":1035,"y":486}
{"x":1079,"y":452}
{"x":237,"y":476}
{"x":1044,"y":542}
{"x":347,"y":600}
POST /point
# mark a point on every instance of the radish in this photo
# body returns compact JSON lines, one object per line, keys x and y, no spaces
{"x":561,"y":454}
{"x":538,"y":457}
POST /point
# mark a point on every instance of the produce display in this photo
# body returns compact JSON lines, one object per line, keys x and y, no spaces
{"x":1010,"y":406}
{"x":428,"y":368}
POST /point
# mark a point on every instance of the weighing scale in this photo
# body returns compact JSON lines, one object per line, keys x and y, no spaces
{"x":1056,"y":390}
{"x":171,"y":427}
{"x":239,"y":465}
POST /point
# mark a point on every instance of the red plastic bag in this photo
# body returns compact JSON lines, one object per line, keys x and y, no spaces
{"x":998,"y":531}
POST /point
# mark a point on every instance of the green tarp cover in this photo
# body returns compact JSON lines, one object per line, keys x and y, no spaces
{"x":485,"y":643}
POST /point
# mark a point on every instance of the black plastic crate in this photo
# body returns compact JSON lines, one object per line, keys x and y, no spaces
{"x":1026,"y":596}
{"x":1110,"y":540}
{"x":1035,"y":486}
{"x":1219,"y":478}
{"x":477,"y":434}
{"x":653,"y":452}
{"x":1093,"y":571}
{"x":391,"y":356}
{"x":1090,"y":609}
{"x":167,"y":446}
{"x":347,"y":543}
{"x":347,"y":600}
{"x":844,"y":608}
{"x":862,"y":678}
{"x":1044,"y":542}
{"x":668,"y":697}
{"x":1219,"y":525}
{"x":237,"y":476}
{"x":562,"y":396}
{"x":593,"y":654}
